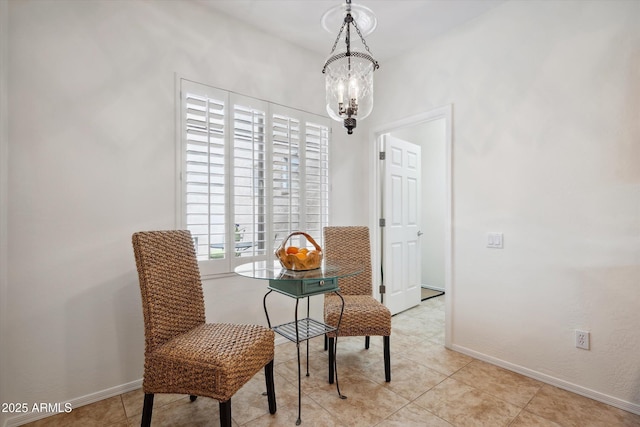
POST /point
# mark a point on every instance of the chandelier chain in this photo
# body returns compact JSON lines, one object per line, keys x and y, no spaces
{"x":361,"y":37}
{"x":354,"y":23}
{"x":335,"y":44}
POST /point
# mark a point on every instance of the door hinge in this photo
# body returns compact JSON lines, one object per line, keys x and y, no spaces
{"x":383,"y":155}
{"x":383,"y":289}
{"x":382,"y":222}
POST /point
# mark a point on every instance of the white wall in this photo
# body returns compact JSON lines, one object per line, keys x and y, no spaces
{"x":431,"y":137}
{"x":546,"y":150}
{"x":92,"y":160}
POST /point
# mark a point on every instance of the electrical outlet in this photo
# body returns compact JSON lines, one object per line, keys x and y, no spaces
{"x":582,"y":339}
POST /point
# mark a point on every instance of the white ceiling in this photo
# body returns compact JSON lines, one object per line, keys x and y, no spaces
{"x":402,"y":24}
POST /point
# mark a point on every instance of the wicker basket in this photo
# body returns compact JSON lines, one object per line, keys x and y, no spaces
{"x":292,"y":262}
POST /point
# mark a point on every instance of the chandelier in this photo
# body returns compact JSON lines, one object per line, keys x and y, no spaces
{"x":348,"y":70}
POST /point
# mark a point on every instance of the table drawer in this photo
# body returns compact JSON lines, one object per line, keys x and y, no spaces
{"x":319,"y":285}
{"x":302,"y":288}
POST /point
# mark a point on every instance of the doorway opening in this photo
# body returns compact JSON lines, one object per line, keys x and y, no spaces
{"x":431,"y":130}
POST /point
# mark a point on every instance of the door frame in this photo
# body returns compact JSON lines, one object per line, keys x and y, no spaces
{"x":445,"y":112}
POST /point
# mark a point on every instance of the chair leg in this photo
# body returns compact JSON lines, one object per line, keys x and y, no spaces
{"x":367,"y":341}
{"x":326,"y":345}
{"x":147,"y":409}
{"x":271,"y":392}
{"x":193,"y":398}
{"x":332,"y":357}
{"x":225,"y":413}
{"x":387,"y":359}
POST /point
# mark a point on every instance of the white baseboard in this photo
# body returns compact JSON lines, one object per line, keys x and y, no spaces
{"x":76,"y":403}
{"x":583,"y":391}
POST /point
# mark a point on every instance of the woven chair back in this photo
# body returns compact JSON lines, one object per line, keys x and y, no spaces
{"x":350,"y":244}
{"x":172,"y":299}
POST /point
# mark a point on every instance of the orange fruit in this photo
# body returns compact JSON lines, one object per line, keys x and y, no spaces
{"x":301,"y":255}
{"x":292,"y":250}
{"x":304,"y":250}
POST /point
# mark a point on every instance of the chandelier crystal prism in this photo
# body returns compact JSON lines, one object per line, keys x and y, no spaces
{"x":348,"y":70}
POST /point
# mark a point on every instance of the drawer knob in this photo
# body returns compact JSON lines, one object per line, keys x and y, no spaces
{"x":321,"y":282}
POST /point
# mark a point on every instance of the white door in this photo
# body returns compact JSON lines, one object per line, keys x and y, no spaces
{"x":401,"y":259}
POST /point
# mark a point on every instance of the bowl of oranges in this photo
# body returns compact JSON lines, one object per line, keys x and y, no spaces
{"x":299,"y":258}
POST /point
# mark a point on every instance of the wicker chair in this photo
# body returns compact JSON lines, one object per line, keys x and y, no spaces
{"x":363,"y":315}
{"x":183,"y":354}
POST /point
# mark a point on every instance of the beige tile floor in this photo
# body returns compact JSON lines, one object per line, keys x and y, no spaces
{"x":430,"y":386}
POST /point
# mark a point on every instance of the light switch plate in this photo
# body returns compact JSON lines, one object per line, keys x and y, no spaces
{"x":495,"y":240}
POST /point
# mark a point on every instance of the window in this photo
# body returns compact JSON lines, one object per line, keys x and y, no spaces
{"x":251,"y":172}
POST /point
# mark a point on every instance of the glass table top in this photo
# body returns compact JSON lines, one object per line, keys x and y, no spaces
{"x":272,"y":270}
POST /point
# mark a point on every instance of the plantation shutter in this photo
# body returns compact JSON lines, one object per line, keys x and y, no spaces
{"x":316,"y":179}
{"x":251,"y":172}
{"x":286,"y":177}
{"x":250,"y":178}
{"x":205,"y":169}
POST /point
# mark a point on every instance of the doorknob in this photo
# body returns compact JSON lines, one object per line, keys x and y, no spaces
{"x":420,"y":233}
